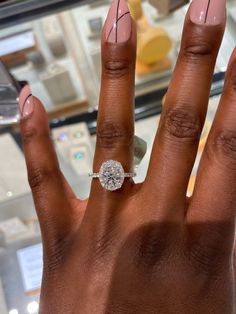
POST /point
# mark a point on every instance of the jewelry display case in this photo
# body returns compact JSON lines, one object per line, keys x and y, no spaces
{"x":54,"y":45}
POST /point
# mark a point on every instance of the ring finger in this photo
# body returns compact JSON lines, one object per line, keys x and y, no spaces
{"x":115,"y":126}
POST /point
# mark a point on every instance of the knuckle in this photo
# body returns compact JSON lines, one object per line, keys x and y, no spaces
{"x":125,"y":305}
{"x":28,"y":135}
{"x":205,"y":254}
{"x":206,"y":258}
{"x":225,"y":144}
{"x":197,"y":48}
{"x":109,"y":135}
{"x":57,"y":249}
{"x":31,"y":134}
{"x":116,"y":68}
{"x":152,"y":247}
{"x":102,"y":246}
{"x":104,"y":243}
{"x":180,"y":123}
{"x":232,"y":78}
{"x":38,"y":176}
{"x":233,"y":83}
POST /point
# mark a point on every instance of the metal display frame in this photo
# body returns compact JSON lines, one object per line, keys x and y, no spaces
{"x":19,"y":11}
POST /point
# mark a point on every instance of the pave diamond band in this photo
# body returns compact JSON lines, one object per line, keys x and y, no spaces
{"x":111,"y":175}
{"x":126,"y":175}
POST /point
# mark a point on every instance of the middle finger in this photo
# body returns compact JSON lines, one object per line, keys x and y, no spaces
{"x":176,"y":143}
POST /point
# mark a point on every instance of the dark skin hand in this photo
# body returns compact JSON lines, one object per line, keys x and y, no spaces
{"x":145,"y":248}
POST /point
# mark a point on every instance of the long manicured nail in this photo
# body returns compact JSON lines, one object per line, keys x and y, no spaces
{"x":26,"y":102}
{"x":209,"y":12}
{"x":118,"y":24}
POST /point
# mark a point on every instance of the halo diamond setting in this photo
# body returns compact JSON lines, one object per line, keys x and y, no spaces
{"x":112,"y":175}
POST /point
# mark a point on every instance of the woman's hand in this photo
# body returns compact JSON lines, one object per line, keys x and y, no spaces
{"x":144,"y":248}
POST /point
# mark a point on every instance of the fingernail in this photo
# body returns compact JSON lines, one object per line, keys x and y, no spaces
{"x":118,"y":23}
{"x":26,"y":102}
{"x":209,"y":12}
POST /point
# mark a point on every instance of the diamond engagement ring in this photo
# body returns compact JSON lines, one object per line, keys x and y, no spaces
{"x":112,"y":175}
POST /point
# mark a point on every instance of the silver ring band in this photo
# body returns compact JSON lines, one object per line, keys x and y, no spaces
{"x":126,"y":175}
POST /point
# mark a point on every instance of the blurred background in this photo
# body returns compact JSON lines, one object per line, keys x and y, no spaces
{"x":54,"y":45}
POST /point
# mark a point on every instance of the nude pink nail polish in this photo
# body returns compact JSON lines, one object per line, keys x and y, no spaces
{"x":26,"y":102}
{"x":208,"y":12}
{"x":118,"y":23}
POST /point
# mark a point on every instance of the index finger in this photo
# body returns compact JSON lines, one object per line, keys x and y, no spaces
{"x":51,"y":193}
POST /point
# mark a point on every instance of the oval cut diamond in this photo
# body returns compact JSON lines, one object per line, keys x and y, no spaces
{"x":111,"y":175}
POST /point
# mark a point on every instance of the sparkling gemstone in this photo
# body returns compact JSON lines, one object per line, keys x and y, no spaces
{"x":111,"y":175}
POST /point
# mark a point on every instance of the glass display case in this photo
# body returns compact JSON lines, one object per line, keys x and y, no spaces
{"x":55,"y":47}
